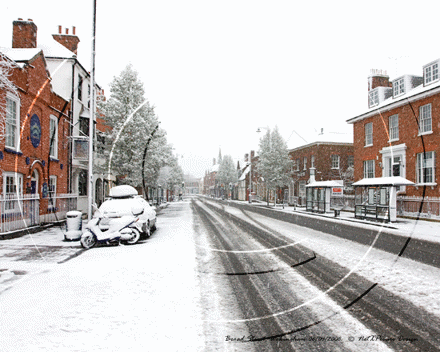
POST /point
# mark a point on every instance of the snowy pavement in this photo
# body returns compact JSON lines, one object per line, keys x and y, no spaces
{"x":428,"y":230}
{"x":111,"y":298}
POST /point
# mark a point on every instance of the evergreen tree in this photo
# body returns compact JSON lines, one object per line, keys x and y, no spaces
{"x":227,"y":172}
{"x":132,"y":120}
{"x":274,"y":162}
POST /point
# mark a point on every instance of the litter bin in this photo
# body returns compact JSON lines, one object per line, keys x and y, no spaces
{"x":73,"y":225}
{"x":337,"y":212}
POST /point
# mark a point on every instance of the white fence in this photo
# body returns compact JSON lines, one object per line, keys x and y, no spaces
{"x":20,"y":212}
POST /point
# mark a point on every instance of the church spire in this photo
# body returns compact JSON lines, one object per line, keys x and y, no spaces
{"x":219,"y":155}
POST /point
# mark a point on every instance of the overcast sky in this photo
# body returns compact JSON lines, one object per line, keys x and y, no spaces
{"x":218,"y":70}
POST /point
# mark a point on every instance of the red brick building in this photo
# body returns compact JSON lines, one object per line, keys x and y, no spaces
{"x":330,"y":157}
{"x":398,"y":135}
{"x":34,"y":117}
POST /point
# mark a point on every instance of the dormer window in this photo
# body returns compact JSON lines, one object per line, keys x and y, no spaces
{"x":430,"y":73}
{"x":373,"y":98}
{"x":398,"y":87}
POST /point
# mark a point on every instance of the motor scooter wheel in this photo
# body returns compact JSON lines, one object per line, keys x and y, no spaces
{"x":88,"y":240}
{"x":136,"y":236}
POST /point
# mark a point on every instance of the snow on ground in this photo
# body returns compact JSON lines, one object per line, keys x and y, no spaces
{"x":73,"y":306}
{"x":420,"y":229}
{"x":128,"y":298}
{"x":411,"y":280}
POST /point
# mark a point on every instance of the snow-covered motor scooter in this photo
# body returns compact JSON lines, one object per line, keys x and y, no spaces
{"x":103,"y":229}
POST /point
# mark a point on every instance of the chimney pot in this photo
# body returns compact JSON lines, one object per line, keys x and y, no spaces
{"x":67,"y":30}
{"x":20,"y":19}
{"x":30,"y":20}
{"x":60,"y":29}
{"x":73,"y":30}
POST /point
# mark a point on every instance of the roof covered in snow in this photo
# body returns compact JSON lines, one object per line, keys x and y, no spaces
{"x":244,"y":174}
{"x":53,"y":49}
{"x":384,"y":181}
{"x":324,"y":138}
{"x":325,"y":184}
{"x":20,"y":55}
{"x":414,"y":94}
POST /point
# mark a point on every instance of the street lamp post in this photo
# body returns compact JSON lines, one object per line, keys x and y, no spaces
{"x":143,"y":160}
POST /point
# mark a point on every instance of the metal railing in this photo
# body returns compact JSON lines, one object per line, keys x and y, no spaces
{"x":59,"y":206}
{"x":427,"y":207}
{"x":406,"y":206}
{"x":21,"y":212}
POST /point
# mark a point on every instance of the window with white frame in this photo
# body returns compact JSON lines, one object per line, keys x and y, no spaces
{"x":373,"y":98}
{"x":297,"y":164}
{"x":398,"y":87}
{"x":368,"y":134}
{"x":393,"y":125}
{"x":12,"y":189}
{"x":350,"y":161}
{"x":425,"y":119}
{"x":425,"y":170}
{"x":12,"y":125}
{"x":52,"y":190}
{"x":368,"y":168}
{"x":305,"y":163}
{"x":431,"y":73}
{"x":53,"y":137}
{"x":312,"y":161}
{"x":335,"y":161}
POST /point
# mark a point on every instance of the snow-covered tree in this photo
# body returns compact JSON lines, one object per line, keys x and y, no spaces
{"x":132,"y":120}
{"x":6,"y":86}
{"x":172,"y":175}
{"x":227,"y":172}
{"x":274,"y":164}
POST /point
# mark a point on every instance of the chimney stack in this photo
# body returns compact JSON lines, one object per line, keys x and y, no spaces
{"x":378,"y":78}
{"x":68,"y":41}
{"x":24,"y":34}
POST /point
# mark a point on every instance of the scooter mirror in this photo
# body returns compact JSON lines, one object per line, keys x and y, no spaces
{"x":137,"y":211}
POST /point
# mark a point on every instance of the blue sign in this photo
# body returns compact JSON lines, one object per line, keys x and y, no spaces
{"x":44,"y":190}
{"x":35,"y":130}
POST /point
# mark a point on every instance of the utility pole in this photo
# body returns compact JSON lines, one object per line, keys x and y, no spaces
{"x":92,"y":116}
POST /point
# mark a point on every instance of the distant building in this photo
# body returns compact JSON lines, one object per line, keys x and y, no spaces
{"x":329,"y":157}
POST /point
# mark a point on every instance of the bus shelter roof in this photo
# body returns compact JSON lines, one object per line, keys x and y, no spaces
{"x":384,"y":181}
{"x":325,"y":184}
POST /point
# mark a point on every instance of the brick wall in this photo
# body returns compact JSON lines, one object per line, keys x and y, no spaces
{"x":37,"y":98}
{"x":408,"y":135}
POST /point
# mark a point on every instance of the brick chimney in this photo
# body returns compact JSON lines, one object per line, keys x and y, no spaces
{"x":24,"y":34}
{"x":70,"y":41}
{"x":378,"y":78}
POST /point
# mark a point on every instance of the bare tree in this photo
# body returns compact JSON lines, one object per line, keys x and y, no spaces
{"x":6,"y":86}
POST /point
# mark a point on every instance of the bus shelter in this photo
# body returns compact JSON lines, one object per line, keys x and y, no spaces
{"x":318,"y":195}
{"x":376,"y":198}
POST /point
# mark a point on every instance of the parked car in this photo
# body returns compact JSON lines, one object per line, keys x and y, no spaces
{"x":125,"y":198}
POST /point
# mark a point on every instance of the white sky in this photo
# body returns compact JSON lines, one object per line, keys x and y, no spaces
{"x":216,"y":71}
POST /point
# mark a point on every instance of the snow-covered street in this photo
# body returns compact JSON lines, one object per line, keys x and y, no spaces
{"x":171,"y":292}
